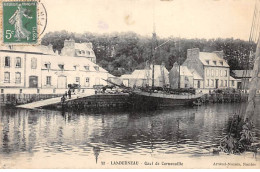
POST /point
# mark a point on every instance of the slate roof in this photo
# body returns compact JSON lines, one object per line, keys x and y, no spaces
{"x":211,"y":57}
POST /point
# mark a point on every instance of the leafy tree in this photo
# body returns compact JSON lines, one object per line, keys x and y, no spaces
{"x":128,"y":51}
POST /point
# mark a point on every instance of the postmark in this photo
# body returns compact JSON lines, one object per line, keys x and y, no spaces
{"x":22,"y":21}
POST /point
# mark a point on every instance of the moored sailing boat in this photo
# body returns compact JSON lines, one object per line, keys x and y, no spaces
{"x":154,"y":97}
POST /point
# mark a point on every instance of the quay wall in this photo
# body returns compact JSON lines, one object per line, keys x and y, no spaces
{"x":14,"y":96}
{"x":97,"y":101}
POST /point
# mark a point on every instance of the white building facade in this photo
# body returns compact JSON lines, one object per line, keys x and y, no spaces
{"x":39,"y":70}
{"x":210,"y":67}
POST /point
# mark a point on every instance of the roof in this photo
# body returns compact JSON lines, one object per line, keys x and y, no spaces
{"x":144,"y":73}
{"x":83,"y":46}
{"x":233,"y":79}
{"x":69,"y":63}
{"x":208,"y":59}
{"x":39,"y":49}
{"x":184,"y":71}
{"x":195,"y":74}
{"x":111,"y":76}
{"x":242,"y":73}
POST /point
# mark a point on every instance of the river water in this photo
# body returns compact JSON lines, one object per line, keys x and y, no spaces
{"x":53,"y":139}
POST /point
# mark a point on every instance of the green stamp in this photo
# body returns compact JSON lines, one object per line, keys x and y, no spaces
{"x":20,"y":22}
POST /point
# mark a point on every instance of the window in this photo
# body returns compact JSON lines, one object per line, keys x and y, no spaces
{"x":17,"y":77}
{"x":86,"y":67}
{"x":83,"y":52}
{"x":212,"y":83}
{"x":207,"y":61}
{"x":7,"y":61}
{"x":212,"y":72}
{"x":216,"y":72}
{"x":207,"y":72}
{"x":61,"y":66}
{"x":7,"y":77}
{"x":77,"y":79}
{"x":48,"y":80}
{"x":186,"y":85}
{"x":87,"y":82}
{"x":198,"y":84}
{"x":47,"y":65}
{"x":225,"y":72}
{"x":221,"y":63}
{"x":221,"y":83}
{"x":18,"y":62}
{"x":186,"y":78}
{"x":225,"y":83}
{"x":207,"y":82}
{"x":96,"y":68}
{"x":220,"y":71}
{"x":34,"y":63}
{"x":233,"y":83}
{"x":215,"y":62}
{"x":88,"y":52}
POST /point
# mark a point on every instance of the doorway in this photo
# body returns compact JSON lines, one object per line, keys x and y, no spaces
{"x":62,"y":82}
{"x":216,"y":83}
{"x":33,"y":81}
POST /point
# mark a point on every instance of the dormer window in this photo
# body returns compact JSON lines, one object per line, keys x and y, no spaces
{"x":76,"y":67}
{"x":88,"y":52}
{"x":82,"y":52}
{"x":61,"y":66}
{"x":86,"y":67}
{"x":47,"y":65}
{"x":215,"y":62}
{"x":221,"y":63}
{"x":207,"y":61}
{"x":96,"y":68}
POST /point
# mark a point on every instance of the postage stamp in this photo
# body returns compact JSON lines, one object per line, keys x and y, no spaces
{"x":19,"y":22}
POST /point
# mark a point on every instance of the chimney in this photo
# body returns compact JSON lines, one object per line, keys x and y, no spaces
{"x":50,"y":48}
{"x":69,"y":43}
{"x":193,"y":53}
{"x":219,"y":53}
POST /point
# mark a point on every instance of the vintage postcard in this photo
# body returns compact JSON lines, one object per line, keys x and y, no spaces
{"x":139,"y":84}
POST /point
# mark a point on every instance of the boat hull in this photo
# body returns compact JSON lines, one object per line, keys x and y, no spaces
{"x":161,"y":100}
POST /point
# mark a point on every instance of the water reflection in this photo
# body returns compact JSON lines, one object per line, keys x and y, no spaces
{"x":191,"y":131}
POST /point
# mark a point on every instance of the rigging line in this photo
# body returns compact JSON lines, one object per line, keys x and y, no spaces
{"x":252,"y":23}
{"x":257,"y":20}
{"x":257,"y":28}
{"x":254,"y":28}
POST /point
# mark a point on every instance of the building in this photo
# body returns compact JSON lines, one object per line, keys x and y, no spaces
{"x":211,"y":67}
{"x":186,"y":77}
{"x":143,"y":77}
{"x":243,"y":78}
{"x":234,"y":83}
{"x":37,"y":69}
{"x":73,"y":49}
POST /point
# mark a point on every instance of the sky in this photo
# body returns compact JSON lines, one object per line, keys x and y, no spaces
{"x":178,"y":18}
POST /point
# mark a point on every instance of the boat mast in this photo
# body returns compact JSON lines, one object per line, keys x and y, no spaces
{"x":153,"y":46}
{"x":179,"y":63}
